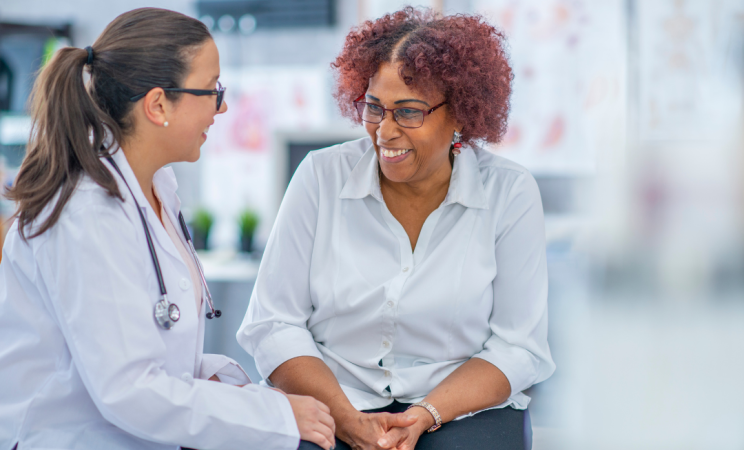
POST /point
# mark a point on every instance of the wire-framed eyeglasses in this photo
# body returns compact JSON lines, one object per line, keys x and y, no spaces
{"x":405,"y":117}
{"x":219,"y":92}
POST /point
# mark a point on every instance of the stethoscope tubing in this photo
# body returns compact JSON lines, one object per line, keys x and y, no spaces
{"x":156,"y":263}
{"x":213,"y":312}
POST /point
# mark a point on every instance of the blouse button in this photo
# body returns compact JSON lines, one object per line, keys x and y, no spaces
{"x":386,"y":344}
{"x":184,"y":284}
{"x":387,"y":373}
{"x":390,"y":304}
{"x":405,"y":269}
{"x":187,"y":377}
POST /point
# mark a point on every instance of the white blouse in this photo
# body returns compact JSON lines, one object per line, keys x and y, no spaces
{"x":339,"y":281}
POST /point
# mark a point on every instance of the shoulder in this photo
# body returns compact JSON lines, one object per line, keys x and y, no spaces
{"x":339,"y":158}
{"x":89,"y":206}
{"x":505,"y":181}
{"x":329,"y":168}
{"x":89,"y":197}
{"x":497,"y":171}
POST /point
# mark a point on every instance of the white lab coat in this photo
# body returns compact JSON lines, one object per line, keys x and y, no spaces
{"x":83,"y":363}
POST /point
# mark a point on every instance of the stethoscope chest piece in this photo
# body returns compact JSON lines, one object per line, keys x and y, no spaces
{"x":166,"y":314}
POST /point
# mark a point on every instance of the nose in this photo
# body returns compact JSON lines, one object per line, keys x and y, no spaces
{"x":223,"y":107}
{"x":388,"y":129}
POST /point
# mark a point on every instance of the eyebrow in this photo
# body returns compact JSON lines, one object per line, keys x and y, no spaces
{"x":399,"y":101}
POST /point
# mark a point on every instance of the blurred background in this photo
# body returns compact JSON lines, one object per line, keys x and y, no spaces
{"x":627,"y":112}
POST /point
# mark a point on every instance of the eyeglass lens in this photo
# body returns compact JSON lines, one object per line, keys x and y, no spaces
{"x":405,"y":117}
{"x":220,"y":95}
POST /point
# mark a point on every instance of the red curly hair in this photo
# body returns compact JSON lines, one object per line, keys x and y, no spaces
{"x":461,"y":56}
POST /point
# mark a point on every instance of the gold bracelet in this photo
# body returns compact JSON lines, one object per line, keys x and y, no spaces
{"x":433,"y":411}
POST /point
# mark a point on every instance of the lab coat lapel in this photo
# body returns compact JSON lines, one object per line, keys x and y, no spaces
{"x":156,"y":228}
{"x":166,"y":186}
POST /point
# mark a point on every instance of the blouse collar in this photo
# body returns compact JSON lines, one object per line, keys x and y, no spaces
{"x":466,"y":184}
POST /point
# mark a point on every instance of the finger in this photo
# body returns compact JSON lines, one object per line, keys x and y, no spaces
{"x":327,"y":420}
{"x":401,"y":420}
{"x":326,"y":431}
{"x":323,"y":407}
{"x":393,"y":438}
{"x":321,"y":439}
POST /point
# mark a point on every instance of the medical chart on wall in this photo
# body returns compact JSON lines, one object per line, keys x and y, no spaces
{"x":238,"y":158}
{"x":687,"y":65}
{"x":568,"y":59}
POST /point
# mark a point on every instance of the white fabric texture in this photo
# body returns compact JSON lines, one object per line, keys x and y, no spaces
{"x":83,"y":363}
{"x":186,"y":257}
{"x":338,"y":280}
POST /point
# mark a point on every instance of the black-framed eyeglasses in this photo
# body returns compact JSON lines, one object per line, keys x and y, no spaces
{"x":219,"y":92}
{"x":405,"y":117}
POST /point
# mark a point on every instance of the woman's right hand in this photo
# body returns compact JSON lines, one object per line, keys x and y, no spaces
{"x":362,"y":431}
{"x":313,"y":420}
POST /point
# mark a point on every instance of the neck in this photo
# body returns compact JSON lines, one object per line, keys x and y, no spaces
{"x":435,"y":185}
{"x":144,"y":163}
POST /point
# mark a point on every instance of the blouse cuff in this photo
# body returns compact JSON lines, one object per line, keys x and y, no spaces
{"x":226,"y":369}
{"x":519,"y":365}
{"x":283,"y":345}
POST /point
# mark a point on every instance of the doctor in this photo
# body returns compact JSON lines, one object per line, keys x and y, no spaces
{"x":102,"y":305}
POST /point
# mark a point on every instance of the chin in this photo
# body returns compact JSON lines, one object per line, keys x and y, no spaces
{"x":396,"y":176}
{"x":194,"y":156}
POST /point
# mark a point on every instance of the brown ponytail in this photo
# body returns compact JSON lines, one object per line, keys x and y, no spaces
{"x":139,"y":50}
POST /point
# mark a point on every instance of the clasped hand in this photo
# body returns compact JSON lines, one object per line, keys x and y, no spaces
{"x":377,"y":431}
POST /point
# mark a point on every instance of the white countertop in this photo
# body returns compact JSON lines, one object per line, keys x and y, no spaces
{"x":228,"y":266}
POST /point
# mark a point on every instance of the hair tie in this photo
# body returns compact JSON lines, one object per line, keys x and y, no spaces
{"x":90,"y":55}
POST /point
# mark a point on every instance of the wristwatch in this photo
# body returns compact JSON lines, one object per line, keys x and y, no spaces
{"x":433,"y":411}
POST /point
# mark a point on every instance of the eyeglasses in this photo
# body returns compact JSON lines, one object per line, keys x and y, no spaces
{"x":405,"y":117}
{"x":219,"y":92}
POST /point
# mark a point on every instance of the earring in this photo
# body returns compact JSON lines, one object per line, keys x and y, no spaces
{"x":165,"y":124}
{"x":456,"y":144}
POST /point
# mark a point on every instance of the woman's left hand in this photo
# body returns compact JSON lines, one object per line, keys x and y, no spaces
{"x":405,"y":438}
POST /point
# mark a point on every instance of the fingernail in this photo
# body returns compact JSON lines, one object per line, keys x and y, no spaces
{"x":382,"y":442}
{"x":410,"y":417}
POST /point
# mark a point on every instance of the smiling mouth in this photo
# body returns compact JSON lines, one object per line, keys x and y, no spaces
{"x":393,"y":153}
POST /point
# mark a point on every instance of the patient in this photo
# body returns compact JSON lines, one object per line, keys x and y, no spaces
{"x":404,"y":283}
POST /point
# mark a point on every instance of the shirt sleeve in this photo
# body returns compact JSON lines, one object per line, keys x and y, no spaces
{"x":224,"y":367}
{"x":275,"y":325}
{"x":94,"y":277}
{"x":518,"y":345}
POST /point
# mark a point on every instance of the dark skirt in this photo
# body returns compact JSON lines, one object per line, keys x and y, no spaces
{"x":502,"y":429}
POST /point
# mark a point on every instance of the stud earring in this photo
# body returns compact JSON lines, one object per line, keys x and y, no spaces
{"x":165,"y":124}
{"x":456,"y":144}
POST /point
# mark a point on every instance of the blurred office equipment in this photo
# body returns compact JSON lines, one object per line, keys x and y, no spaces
{"x":245,"y":16}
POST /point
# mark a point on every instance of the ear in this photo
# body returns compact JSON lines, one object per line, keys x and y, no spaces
{"x":156,"y":106}
{"x":454,"y":123}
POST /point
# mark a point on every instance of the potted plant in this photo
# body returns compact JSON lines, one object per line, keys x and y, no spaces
{"x":201,"y":224}
{"x":247,"y":221}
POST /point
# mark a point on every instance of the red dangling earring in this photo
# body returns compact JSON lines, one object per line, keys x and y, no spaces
{"x":456,"y":145}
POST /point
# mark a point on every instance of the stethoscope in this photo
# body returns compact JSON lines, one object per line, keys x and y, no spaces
{"x":167,"y":313}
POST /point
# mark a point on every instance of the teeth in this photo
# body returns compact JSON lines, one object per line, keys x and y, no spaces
{"x":394,"y":153}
